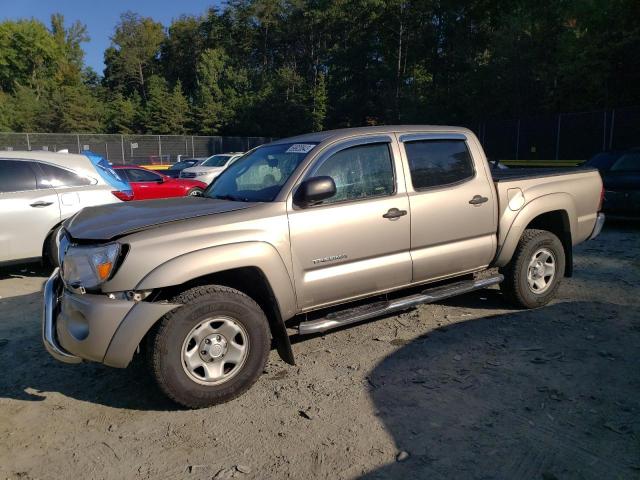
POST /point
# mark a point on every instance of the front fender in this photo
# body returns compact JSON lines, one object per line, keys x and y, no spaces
{"x":515,"y":223}
{"x":211,"y":260}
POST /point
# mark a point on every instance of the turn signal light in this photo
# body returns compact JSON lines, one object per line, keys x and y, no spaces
{"x":103,"y":270}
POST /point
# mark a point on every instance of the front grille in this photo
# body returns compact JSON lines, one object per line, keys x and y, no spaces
{"x":187,"y":175}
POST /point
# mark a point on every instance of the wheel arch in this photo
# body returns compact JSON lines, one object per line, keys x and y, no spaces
{"x":253,"y":282}
{"x":555,"y":213}
{"x":254,"y":268}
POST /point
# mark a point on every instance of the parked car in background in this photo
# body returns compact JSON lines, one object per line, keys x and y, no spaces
{"x":622,"y":185}
{"x":148,"y":185}
{"x":211,"y":167}
{"x":38,"y":190}
{"x":174,"y":170}
{"x":603,"y":160}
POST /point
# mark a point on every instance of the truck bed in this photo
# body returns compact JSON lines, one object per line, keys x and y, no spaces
{"x":531,"y":173}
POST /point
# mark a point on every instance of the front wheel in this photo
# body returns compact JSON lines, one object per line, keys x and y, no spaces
{"x":210,"y":350}
{"x":533,"y":276}
{"x":195,"y":192}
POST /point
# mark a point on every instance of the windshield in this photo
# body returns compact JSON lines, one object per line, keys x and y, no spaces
{"x":629,"y":162}
{"x":259,"y":175}
{"x":216,"y":161}
{"x":183,"y":164}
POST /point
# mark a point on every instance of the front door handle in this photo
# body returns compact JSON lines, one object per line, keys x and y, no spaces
{"x":394,"y":213}
{"x":478,"y":199}
{"x":40,"y":204}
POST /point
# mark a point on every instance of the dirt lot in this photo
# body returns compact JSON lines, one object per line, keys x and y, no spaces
{"x":465,"y":389}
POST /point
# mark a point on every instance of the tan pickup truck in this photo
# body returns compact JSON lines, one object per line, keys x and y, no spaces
{"x":301,"y":236}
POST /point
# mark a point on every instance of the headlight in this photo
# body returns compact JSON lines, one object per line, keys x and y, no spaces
{"x":89,"y":266}
{"x":199,"y":174}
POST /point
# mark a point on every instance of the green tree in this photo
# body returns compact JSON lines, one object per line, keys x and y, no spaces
{"x":5,"y":112}
{"x":122,"y":113}
{"x":133,"y":56}
{"x":181,"y":50}
{"x":29,"y":113}
{"x":76,"y":109}
{"x":28,"y":55}
{"x":165,"y":112}
{"x":219,"y":92}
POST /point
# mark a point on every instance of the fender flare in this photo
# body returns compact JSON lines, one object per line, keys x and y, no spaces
{"x":545,"y":204}
{"x":207,"y":261}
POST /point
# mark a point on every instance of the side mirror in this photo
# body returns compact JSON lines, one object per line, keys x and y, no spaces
{"x":314,"y":190}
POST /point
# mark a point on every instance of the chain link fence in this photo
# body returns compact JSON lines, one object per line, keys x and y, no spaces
{"x":571,"y":137}
{"x":131,"y":149}
{"x":564,"y":137}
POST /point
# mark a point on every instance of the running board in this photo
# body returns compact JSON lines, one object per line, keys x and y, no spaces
{"x":365,"y":312}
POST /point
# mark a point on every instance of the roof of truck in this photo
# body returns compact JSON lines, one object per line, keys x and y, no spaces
{"x":382,"y":129}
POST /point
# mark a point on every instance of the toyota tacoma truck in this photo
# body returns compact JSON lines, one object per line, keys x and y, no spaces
{"x":301,"y":236}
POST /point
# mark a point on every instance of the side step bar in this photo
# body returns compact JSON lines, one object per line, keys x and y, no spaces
{"x":358,"y":314}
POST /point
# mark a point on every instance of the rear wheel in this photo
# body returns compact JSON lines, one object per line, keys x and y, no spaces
{"x":210,"y":350}
{"x":195,"y":192}
{"x":533,"y":276}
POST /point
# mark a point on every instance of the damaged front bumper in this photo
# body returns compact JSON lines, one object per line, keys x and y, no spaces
{"x":78,"y":327}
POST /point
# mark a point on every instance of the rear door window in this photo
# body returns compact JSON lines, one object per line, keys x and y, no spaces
{"x":55,"y":177}
{"x":16,"y":176}
{"x":436,"y":163}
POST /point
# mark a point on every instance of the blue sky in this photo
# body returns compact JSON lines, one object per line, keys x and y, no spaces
{"x":100,"y":16}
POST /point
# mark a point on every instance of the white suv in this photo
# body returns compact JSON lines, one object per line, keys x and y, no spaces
{"x":211,"y":167}
{"x":38,"y":190}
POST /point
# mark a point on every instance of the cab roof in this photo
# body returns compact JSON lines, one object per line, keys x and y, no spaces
{"x":319,"y":137}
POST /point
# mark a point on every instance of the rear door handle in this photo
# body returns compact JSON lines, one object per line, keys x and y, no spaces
{"x":478,"y":199}
{"x":40,"y":204}
{"x":394,"y":213}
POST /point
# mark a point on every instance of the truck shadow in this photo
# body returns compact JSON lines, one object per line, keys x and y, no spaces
{"x":25,"y":270}
{"x":547,"y":393}
{"x":30,"y":374}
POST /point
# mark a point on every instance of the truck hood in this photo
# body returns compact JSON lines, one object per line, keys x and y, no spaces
{"x":106,"y":222}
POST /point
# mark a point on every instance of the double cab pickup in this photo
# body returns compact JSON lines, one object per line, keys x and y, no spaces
{"x":301,"y":236}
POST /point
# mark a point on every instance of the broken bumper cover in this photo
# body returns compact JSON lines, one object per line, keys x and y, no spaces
{"x":78,"y":327}
{"x":51,"y":291}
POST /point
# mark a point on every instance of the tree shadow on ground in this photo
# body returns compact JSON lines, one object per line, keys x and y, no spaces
{"x":548,"y":393}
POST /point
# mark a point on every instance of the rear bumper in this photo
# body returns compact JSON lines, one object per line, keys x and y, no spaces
{"x":598,"y":226}
{"x":77,"y":327}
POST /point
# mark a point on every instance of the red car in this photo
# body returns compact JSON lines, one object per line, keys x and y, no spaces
{"x":147,"y":185}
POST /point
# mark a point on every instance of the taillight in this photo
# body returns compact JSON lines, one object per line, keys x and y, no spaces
{"x":601,"y":198}
{"x":124,"y":195}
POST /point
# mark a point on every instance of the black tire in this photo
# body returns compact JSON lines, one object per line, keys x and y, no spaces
{"x":166,"y":341}
{"x":50,"y":249}
{"x":516,"y":283}
{"x":195,"y":192}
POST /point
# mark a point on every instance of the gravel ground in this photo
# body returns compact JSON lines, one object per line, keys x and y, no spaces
{"x":464,"y":389}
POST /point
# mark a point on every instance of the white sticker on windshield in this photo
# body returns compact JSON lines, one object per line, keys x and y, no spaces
{"x":300,"y":148}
